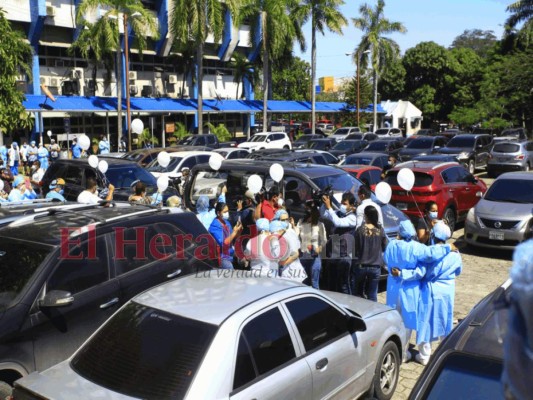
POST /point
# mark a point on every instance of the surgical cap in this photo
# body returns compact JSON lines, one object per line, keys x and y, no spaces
{"x":442,"y":231}
{"x":18,"y":181}
{"x":407,"y":230}
{"x":279,"y":214}
{"x":262,"y":224}
{"x":202,"y":204}
{"x":276,"y":226}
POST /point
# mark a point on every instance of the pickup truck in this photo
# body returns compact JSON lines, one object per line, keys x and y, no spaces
{"x":206,"y":140}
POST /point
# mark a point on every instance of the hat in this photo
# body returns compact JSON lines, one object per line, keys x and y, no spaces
{"x":407,"y":230}
{"x":15,"y":144}
{"x":202,"y":204}
{"x":19,"y":180}
{"x":52,"y":140}
{"x":276,"y":226}
{"x":262,"y":224}
{"x":56,"y":182}
{"x":279,"y":214}
{"x":32,"y":142}
{"x":173,"y":201}
{"x":442,"y":231}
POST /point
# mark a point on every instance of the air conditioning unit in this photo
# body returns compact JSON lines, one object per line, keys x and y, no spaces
{"x":43,"y":80}
{"x":54,"y":82}
{"x":133,"y":90}
{"x":76,"y":73}
{"x":173,"y":79}
{"x":50,"y":11}
{"x":70,"y":87}
{"x":132,"y":76}
{"x":147,"y":91}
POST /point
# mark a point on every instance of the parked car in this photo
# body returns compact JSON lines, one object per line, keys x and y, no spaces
{"x":329,"y":128}
{"x":384,"y":146}
{"x":426,"y":132}
{"x":472,"y":150}
{"x":468,"y":363}
{"x":303,"y":141}
{"x":320,"y":132}
{"x":208,"y":140}
{"x":450,"y":185}
{"x":233,"y":338}
{"x":437,"y":157}
{"x":389,"y":132}
{"x":518,"y":134}
{"x":510,"y":156}
{"x":121,"y":174}
{"x":325,"y":144}
{"x":367,"y":174}
{"x":503,"y":217}
{"x":231,"y":153}
{"x":341,"y":133}
{"x":451,"y":133}
{"x":178,"y":161}
{"x":65,"y":272}
{"x":267,"y":140}
{"x":379,"y":160}
{"x":346,"y":147}
{"x":301,"y":156}
{"x":368,"y":136}
{"x":143,"y":157}
{"x":421,"y":146}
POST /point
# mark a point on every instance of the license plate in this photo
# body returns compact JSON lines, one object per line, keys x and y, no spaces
{"x":496,"y":235}
{"x":401,"y":206}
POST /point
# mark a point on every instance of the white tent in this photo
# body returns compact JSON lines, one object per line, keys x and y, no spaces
{"x":402,"y":114}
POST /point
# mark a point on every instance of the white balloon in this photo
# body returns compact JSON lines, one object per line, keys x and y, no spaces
{"x":383,"y":192}
{"x":162,"y":183}
{"x":102,"y":166}
{"x":406,"y":179}
{"x":93,"y":161}
{"x":276,"y":172}
{"x":84,"y":142}
{"x":49,"y":133}
{"x":163,"y":159}
{"x":137,"y":126}
{"x":1,"y":184}
{"x":215,"y":161}
{"x":255,"y":183}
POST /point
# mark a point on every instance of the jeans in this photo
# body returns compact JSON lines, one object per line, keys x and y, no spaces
{"x":366,"y":281}
{"x":343,"y":267}
{"x":226,"y":264}
{"x":313,"y":266}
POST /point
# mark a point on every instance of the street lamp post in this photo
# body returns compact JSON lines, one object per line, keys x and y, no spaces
{"x":127,"y":88}
{"x":357,"y":60}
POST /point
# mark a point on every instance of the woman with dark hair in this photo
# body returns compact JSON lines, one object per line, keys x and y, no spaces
{"x":370,"y":243}
{"x":224,"y":234}
{"x":140,"y":197}
{"x":312,"y":235}
{"x":424,"y":229}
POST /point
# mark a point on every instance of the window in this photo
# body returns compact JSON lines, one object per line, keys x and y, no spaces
{"x":201,"y":159}
{"x":75,"y":275}
{"x":73,"y":175}
{"x":365,"y":178}
{"x":211,"y":140}
{"x":297,"y":190}
{"x":317,"y":321}
{"x":330,"y":159}
{"x":463,"y":175}
{"x":375,"y":176}
{"x":269,"y":341}
{"x":381,"y":161}
{"x":506,"y":148}
{"x":244,"y":366}
{"x":421,"y":179}
{"x":451,"y":175}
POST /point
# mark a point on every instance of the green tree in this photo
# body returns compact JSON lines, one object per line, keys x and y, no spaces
{"x":146,"y":138}
{"x":291,"y":79}
{"x":197,"y":19}
{"x":392,"y":81}
{"x":220,"y":131}
{"x":243,"y":69}
{"x":103,"y":37}
{"x":468,"y":68}
{"x":521,"y":11}
{"x":324,"y":14}
{"x":383,"y":50}
{"x":15,"y":58}
{"x":180,"y":131}
{"x":481,"y":42}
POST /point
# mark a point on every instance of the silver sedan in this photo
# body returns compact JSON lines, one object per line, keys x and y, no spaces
{"x":222,"y":336}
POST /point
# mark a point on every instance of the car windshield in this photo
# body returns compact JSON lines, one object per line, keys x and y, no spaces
{"x":154,"y":166}
{"x":304,"y":139}
{"x":133,"y":156}
{"x":382,"y":132}
{"x":338,"y":183}
{"x":344,"y":145}
{"x":18,"y":263}
{"x":258,"y":138}
{"x":319,"y":144}
{"x":506,"y":148}
{"x":358,"y":159}
{"x":511,"y":191}
{"x":421,"y":179}
{"x":466,"y":142}
{"x":186,"y":140}
{"x":341,"y":131}
{"x":124,"y":176}
{"x":142,"y":344}
{"x":354,"y":136}
{"x":377,"y":146}
{"x":422,"y":143}
{"x":222,"y":153}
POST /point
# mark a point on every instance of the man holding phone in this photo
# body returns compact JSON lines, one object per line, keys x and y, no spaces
{"x":21,"y":190}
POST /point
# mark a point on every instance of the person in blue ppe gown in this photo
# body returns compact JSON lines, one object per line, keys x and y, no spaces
{"x":42,"y":154}
{"x":21,"y":191}
{"x":224,"y":234}
{"x":57,"y":188}
{"x":437,"y":294}
{"x":32,"y":154}
{"x":403,"y":257}
{"x":103,"y":145}
{"x":76,"y":149}
{"x":204,"y":214}
{"x":14,"y":158}
{"x":3,"y":154}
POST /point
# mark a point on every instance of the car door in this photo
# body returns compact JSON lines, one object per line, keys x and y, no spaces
{"x":469,"y":191}
{"x":267,"y":364}
{"x":59,"y":331}
{"x":334,"y":356}
{"x":455,"y":188}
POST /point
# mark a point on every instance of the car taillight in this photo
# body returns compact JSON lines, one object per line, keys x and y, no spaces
{"x":426,"y":194}
{"x":520,"y":157}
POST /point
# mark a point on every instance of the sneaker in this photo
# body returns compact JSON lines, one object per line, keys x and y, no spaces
{"x":407,"y":356}
{"x":421,"y":360}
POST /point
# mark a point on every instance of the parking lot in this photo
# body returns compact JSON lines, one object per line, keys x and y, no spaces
{"x":483,"y":271}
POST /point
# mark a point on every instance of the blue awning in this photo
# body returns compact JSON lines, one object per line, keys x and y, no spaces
{"x":40,"y":103}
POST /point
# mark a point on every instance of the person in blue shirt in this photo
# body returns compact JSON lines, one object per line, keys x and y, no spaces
{"x":76,"y":149}
{"x":3,"y":154}
{"x":42,"y":154}
{"x":437,"y":294}
{"x":204,"y":214}
{"x":224,"y":234}
{"x":103,"y":145}
{"x":20,"y":191}
{"x":32,"y":153}
{"x":57,"y":188}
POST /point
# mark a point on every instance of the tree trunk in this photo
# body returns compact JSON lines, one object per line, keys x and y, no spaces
{"x":200,"y":80}
{"x":313,"y":74}
{"x":375,"y":100}
{"x":119,"y":95}
{"x":265,"y":71}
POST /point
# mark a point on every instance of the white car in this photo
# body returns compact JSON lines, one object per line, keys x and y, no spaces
{"x":178,"y":161}
{"x":267,"y":140}
{"x":223,"y":336}
{"x":341,"y":133}
{"x":395,"y":132}
{"x":232,"y":153}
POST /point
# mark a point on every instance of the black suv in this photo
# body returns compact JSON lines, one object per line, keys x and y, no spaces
{"x":473,"y":151}
{"x":121,"y":174}
{"x":64,"y":273}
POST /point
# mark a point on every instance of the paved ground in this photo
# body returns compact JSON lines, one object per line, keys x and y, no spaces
{"x":483,"y":271}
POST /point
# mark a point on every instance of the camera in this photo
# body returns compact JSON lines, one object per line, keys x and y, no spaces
{"x":260,"y":196}
{"x":318,"y":194}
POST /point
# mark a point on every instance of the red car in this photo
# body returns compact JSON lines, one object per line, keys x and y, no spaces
{"x":448,"y":184}
{"x":367,"y":174}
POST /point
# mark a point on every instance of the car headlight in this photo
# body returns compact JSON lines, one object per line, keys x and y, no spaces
{"x":471,"y":216}
{"x":464,"y":154}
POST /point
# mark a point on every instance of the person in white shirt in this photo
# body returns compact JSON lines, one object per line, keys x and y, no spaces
{"x":90,"y":195}
{"x":37,"y":174}
{"x":365,"y":194}
{"x":287,"y":255}
{"x":259,"y":252}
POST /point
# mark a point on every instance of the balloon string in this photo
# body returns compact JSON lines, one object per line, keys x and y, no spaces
{"x":416,"y":204}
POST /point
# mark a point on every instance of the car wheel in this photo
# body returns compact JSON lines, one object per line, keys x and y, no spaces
{"x":387,"y":372}
{"x":491,"y":173}
{"x":471,"y":167}
{"x":526,"y":167}
{"x":449,"y":218}
{"x":5,"y":390}
{"x":286,"y":147}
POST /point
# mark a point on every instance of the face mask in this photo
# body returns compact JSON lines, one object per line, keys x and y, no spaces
{"x":285,"y":224}
{"x":344,"y":209}
{"x":433,"y":214}
{"x":390,"y":163}
{"x":225,"y":215}
{"x":33,"y":167}
{"x":280,"y":202}
{"x":61,"y":191}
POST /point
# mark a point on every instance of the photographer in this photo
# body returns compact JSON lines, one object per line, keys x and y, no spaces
{"x":268,"y":205}
{"x":365,"y":194}
{"x":245,"y":212}
{"x":343,"y":237}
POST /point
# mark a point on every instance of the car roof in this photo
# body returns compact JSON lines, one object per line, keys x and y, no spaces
{"x":424,"y":165}
{"x":359,"y":167}
{"x":213,"y":296}
{"x":230,"y":149}
{"x":111,"y":162}
{"x":189,"y":153}
{"x":519,"y":175}
{"x":368,"y":154}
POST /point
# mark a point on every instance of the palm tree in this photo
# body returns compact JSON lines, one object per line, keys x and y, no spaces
{"x":195,"y":20}
{"x":522,"y":11}
{"x":324,"y":14}
{"x":242,"y":69}
{"x":278,"y":27}
{"x":103,"y":37}
{"x":374,"y":25}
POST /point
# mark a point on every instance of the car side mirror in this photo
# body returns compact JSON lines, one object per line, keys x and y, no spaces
{"x":56,"y":298}
{"x":479,"y":194}
{"x":268,"y":140}
{"x":355,"y":324}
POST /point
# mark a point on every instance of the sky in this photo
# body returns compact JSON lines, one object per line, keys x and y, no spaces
{"x":440,"y":21}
